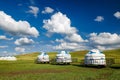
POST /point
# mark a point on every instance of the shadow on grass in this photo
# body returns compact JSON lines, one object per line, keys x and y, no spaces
{"x":88,"y":66}
{"x":60,"y":64}
{"x":115,"y":66}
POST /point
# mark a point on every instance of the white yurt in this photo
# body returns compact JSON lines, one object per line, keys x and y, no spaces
{"x":95,"y":57}
{"x":63,"y":57}
{"x":8,"y":58}
{"x":43,"y":58}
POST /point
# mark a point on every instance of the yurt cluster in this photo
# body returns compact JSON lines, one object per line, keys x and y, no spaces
{"x":8,"y":58}
{"x":93,"y":57}
{"x":62,"y":57}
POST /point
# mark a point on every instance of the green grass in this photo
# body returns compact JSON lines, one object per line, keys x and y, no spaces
{"x":25,"y":69}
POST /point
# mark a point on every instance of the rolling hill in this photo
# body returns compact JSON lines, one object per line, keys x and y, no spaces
{"x":77,"y":54}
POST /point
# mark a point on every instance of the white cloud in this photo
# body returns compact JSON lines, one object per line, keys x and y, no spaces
{"x":105,"y":40}
{"x":99,"y":18}
{"x":61,"y":24}
{"x":48,"y":10}
{"x":117,"y":15}
{"x":101,"y":47}
{"x":59,"y":40}
{"x":20,"y":49}
{"x":21,"y":28}
{"x":70,"y":46}
{"x":3,"y":46}
{"x":102,"y":41}
{"x":2,"y":37}
{"x":75,"y":38}
{"x":24,"y":41}
{"x":65,"y":45}
{"x":33,"y":10}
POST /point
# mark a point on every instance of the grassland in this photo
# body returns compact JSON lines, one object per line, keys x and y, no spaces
{"x":25,"y":69}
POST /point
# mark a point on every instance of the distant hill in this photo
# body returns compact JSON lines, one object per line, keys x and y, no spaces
{"x":112,"y":53}
{"x":28,"y":56}
{"x":33,"y":56}
{"x":108,"y":53}
{"x":76,"y":54}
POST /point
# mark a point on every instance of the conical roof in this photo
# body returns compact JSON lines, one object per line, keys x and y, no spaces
{"x":94,"y":52}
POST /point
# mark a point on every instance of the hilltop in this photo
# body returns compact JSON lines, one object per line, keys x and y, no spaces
{"x":76,"y":54}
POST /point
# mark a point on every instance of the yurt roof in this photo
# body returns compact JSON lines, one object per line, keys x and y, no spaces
{"x":43,"y":53}
{"x":62,"y":52}
{"x":94,"y":52}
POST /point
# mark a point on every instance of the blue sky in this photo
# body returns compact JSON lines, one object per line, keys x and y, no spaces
{"x":53,"y":25}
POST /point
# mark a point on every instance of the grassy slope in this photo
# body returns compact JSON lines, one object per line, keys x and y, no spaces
{"x":113,"y":53}
{"x":77,"y":54}
{"x":33,"y":56}
{"x":26,"y":69}
{"x":108,"y":53}
{"x":29,"y":56}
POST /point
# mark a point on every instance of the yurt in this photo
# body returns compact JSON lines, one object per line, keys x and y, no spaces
{"x":8,"y":58}
{"x":95,"y":57}
{"x":43,"y":58}
{"x":63,"y":57}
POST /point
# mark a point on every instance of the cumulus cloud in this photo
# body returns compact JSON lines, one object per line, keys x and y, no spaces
{"x":47,"y":10}
{"x":2,"y":37}
{"x":21,"y":28}
{"x":65,"y":46}
{"x":75,"y":38}
{"x":117,"y":15}
{"x":70,"y":46}
{"x":99,"y":18}
{"x":104,"y":40}
{"x":61,"y":24}
{"x":33,"y":10}
{"x":24,"y":41}
{"x":3,"y":46}
{"x":20,"y":49}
